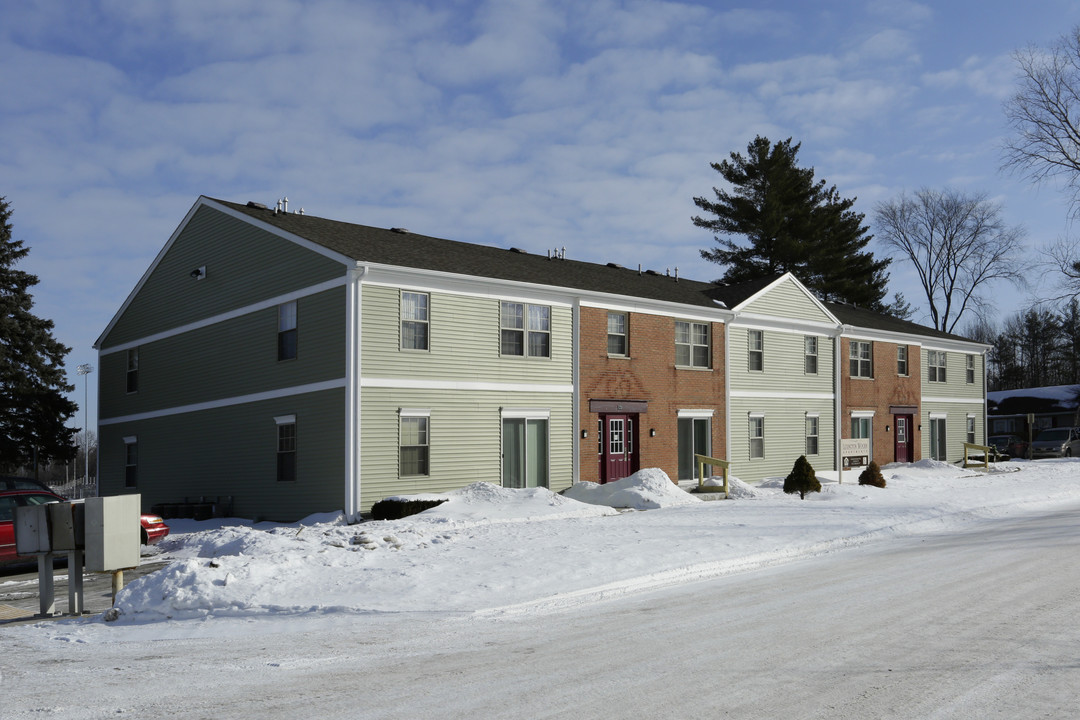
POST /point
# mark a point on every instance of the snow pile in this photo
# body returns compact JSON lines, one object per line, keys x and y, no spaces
{"x":491,"y":549}
{"x":647,"y":489}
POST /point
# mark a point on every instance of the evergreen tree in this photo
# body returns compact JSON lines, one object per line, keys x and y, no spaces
{"x":793,"y":224}
{"x":802,"y":478}
{"x":33,"y":405}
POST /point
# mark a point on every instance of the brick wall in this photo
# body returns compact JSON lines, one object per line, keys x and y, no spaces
{"x":648,"y":374}
{"x":883,"y":391}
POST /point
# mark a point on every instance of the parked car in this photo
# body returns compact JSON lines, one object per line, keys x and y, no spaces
{"x":152,"y":527}
{"x":1010,"y":445}
{"x":1056,"y":442}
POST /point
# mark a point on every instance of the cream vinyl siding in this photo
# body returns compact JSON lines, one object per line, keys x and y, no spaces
{"x":229,"y":359}
{"x":956,"y":385}
{"x":955,"y":426}
{"x":464,"y":442}
{"x":464,"y":336}
{"x":196,"y":454}
{"x":244,"y":265}
{"x":783,"y":363}
{"x":785,"y":436}
{"x":787,"y":300}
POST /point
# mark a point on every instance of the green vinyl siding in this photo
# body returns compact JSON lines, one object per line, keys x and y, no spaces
{"x":233,"y":451}
{"x":464,"y":439}
{"x":230,"y":359}
{"x":783,"y":362}
{"x":785,"y":436}
{"x":464,"y":338}
{"x":786,"y":300}
{"x":956,"y":384}
{"x":955,"y":426}
{"x":244,"y":265}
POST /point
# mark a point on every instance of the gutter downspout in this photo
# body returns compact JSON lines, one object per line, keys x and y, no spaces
{"x":838,"y":403}
{"x":353,"y":332}
{"x":575,"y":411}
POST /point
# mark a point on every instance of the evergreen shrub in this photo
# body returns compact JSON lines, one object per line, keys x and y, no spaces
{"x":872,"y":476}
{"x":802,"y":479}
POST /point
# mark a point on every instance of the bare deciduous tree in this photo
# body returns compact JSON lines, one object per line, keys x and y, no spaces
{"x":1045,"y":115}
{"x":958,"y":244}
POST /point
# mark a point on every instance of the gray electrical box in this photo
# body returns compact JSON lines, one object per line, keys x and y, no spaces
{"x":112,"y":533}
{"x":66,"y":526}
{"x":32,"y":530}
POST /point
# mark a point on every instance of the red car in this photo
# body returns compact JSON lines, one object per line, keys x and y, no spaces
{"x":153,"y":527}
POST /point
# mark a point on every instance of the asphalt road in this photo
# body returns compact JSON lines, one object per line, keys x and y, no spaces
{"x":962,"y":625}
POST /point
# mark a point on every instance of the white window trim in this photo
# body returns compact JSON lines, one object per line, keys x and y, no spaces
{"x":131,"y":440}
{"x":938,"y":415}
{"x":690,"y":413}
{"x":414,"y":412}
{"x":526,"y":413}
{"x":285,"y":420}
{"x":862,"y":413}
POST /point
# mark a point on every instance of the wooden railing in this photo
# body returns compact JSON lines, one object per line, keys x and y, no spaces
{"x":985,"y":462}
{"x":702,"y":461}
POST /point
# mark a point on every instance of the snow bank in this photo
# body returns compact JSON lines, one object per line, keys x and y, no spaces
{"x":647,"y":489}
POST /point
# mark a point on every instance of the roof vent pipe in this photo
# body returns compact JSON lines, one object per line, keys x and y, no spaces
{"x":676,"y":273}
{"x":285,"y":204}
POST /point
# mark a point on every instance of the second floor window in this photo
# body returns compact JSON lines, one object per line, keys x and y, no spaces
{"x":286,"y":345}
{"x":810,"y":355}
{"x":414,"y":321}
{"x":970,"y":375}
{"x":133,"y":370}
{"x":756,"y":345}
{"x":691,"y":344}
{"x":525,"y":329}
{"x":901,"y":360}
{"x":935,"y":364}
{"x":859,"y":357}
{"x":617,"y":334}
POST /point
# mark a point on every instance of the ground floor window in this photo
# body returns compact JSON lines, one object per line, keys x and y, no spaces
{"x":414,"y":444}
{"x":971,"y":429}
{"x":757,"y":436}
{"x":286,"y":448}
{"x":937,"y":439}
{"x":524,"y":452}
{"x":811,"y":434}
{"x":695,"y":435}
{"x":131,"y":462}
{"x":862,"y":427}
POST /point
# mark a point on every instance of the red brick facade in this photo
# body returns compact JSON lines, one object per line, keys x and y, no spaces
{"x":647,"y":374}
{"x":883,"y":393}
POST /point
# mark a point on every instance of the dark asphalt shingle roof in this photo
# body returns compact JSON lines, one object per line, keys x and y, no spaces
{"x":386,"y":246}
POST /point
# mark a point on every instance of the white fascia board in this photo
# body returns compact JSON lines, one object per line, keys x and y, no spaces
{"x":959,"y":401}
{"x":784,"y":325}
{"x":967,"y":347}
{"x":641,"y":306}
{"x":469,"y":285}
{"x":860,"y":333}
{"x":785,"y":278}
{"x":223,"y":317}
{"x":204,"y":201}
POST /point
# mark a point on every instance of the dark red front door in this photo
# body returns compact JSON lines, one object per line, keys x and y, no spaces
{"x":617,"y":460}
{"x":903,"y":438}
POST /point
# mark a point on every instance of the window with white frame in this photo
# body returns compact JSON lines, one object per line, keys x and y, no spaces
{"x":971,"y":429}
{"x":692,"y":344}
{"x":414,"y":443}
{"x":970,"y":374}
{"x":938,"y":435}
{"x":757,"y":436}
{"x":811,"y":434}
{"x":618,"y":333}
{"x":525,"y":329}
{"x":935,"y":365}
{"x":286,"y":448}
{"x":862,"y":427}
{"x":901,"y":360}
{"x":286,"y":346}
{"x":525,"y":441}
{"x":414,"y":320}
{"x":860,"y":359}
{"x":810,"y":355}
{"x":755,"y":344}
{"x":131,"y":462}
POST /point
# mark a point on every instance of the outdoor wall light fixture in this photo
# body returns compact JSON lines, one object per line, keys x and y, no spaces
{"x":584,"y":434}
{"x":652,"y":432}
{"x":198,"y":273}
{"x":886,"y":428}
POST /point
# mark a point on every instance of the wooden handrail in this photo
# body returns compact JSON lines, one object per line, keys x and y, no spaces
{"x":702,"y":461}
{"x":968,"y":447}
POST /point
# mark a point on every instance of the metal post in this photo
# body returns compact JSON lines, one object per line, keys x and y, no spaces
{"x":86,"y":369}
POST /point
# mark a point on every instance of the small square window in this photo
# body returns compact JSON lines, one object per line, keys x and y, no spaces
{"x":525,"y":329}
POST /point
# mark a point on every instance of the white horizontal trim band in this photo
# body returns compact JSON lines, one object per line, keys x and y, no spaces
{"x":779,"y":395}
{"x":968,"y":401}
{"x":227,"y":402}
{"x":223,"y":317}
{"x":413,"y":384}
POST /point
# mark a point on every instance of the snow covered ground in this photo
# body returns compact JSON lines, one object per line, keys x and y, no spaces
{"x":493,"y":550}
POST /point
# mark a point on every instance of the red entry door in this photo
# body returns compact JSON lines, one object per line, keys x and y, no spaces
{"x":618,"y":457}
{"x":903,"y":438}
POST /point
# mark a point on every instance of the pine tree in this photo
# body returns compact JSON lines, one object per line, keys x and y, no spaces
{"x":802,"y":479}
{"x":33,"y":405}
{"x":872,"y":476}
{"x":793,"y":224}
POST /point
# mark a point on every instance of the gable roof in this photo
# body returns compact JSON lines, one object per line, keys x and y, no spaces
{"x":863,"y":318}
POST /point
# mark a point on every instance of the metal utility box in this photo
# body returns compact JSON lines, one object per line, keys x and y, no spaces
{"x":112,"y":532}
{"x":67,"y":525}
{"x":32,"y":530}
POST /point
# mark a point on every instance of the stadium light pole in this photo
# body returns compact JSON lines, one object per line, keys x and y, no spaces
{"x":86,"y":369}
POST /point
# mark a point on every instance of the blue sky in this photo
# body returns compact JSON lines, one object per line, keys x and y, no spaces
{"x":536,"y":124}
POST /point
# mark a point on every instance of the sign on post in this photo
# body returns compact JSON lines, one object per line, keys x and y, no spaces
{"x":854,"y":452}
